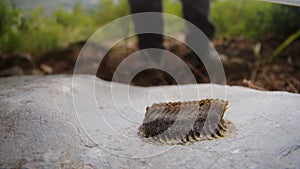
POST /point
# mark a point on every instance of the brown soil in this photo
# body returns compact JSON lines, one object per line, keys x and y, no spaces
{"x":242,"y":63}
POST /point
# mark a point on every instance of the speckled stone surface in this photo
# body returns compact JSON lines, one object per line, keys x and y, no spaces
{"x":48,"y":122}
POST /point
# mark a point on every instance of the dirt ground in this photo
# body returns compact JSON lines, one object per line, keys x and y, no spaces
{"x":245,"y":63}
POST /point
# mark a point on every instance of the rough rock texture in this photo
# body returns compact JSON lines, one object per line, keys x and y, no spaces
{"x":45,"y":123}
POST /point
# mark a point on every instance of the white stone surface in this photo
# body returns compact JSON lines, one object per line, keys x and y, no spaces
{"x":45,"y":123}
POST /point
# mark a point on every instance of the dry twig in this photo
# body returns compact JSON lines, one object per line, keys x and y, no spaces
{"x":249,"y":84}
{"x":293,"y":88}
{"x":197,"y":72}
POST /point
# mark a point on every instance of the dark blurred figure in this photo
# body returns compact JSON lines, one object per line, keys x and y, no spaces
{"x":154,"y":66}
{"x":194,"y":11}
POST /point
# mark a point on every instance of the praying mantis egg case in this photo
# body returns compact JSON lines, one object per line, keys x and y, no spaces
{"x":184,"y":122}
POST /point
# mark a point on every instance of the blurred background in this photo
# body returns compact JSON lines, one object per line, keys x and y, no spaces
{"x":258,"y":41}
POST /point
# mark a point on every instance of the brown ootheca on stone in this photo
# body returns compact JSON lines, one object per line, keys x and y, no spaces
{"x":184,"y":122}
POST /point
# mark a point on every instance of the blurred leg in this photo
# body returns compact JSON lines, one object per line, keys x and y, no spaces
{"x":148,"y":40}
{"x":197,"y":12}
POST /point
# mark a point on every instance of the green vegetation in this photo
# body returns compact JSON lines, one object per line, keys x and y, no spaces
{"x":107,"y":11}
{"x":285,"y":20}
{"x":284,"y":44}
{"x":253,"y":19}
{"x":9,"y":28}
{"x":36,"y":33}
{"x":241,"y":17}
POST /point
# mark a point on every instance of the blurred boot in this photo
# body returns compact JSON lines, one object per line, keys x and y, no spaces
{"x":153,"y":23}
